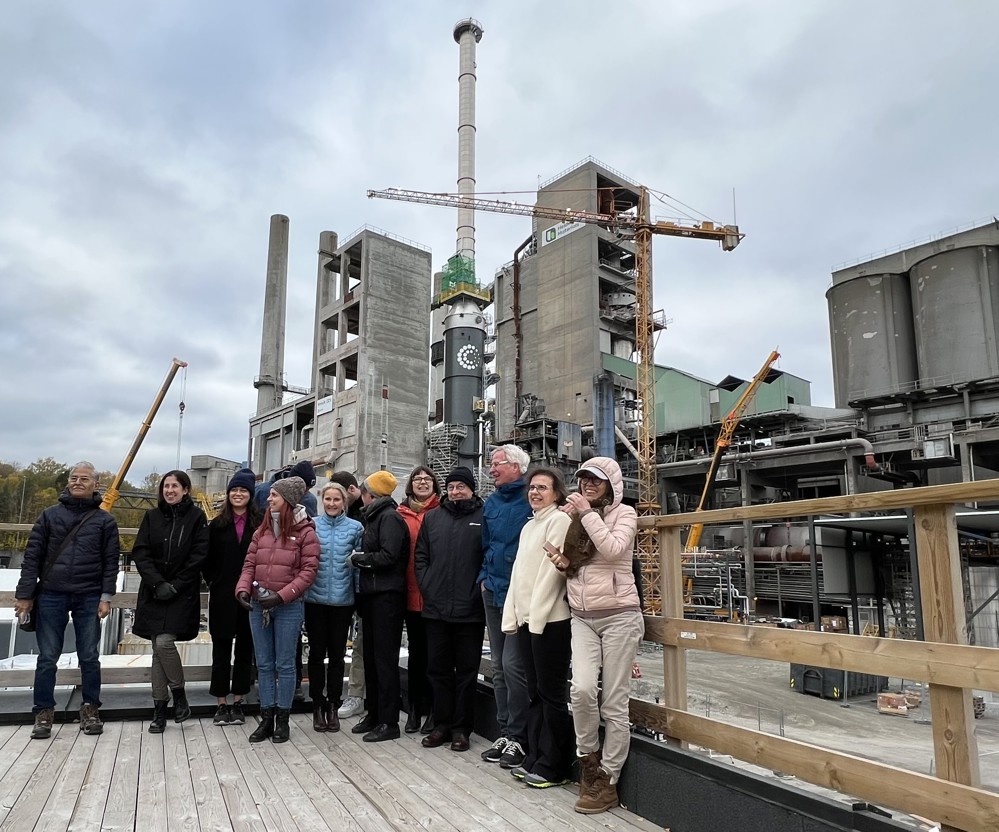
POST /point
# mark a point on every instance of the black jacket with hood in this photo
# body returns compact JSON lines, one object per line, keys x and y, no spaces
{"x":448,"y":561}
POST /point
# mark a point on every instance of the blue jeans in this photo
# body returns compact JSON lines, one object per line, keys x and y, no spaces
{"x":52,"y":611}
{"x":509,"y":676}
{"x":275,"y":646}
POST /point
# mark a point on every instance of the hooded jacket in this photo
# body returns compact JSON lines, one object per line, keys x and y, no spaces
{"x":382,"y":565}
{"x":606,"y":584}
{"x":504,"y":514}
{"x":414,"y":519}
{"x":171,"y":545}
{"x":285,"y":565}
{"x":448,"y":560}
{"x":221,"y":570}
{"x":90,"y":562}
{"x":338,"y":537}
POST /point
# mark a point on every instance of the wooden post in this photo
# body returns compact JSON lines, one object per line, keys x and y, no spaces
{"x":671,"y":593}
{"x":944,"y":620}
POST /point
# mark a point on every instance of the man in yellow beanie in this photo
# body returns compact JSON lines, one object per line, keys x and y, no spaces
{"x":381,"y":602}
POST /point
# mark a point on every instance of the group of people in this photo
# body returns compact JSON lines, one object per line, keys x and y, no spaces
{"x":547,"y":573}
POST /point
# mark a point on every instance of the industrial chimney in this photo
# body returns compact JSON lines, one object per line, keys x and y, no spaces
{"x":467,"y":33}
{"x":270,"y":382}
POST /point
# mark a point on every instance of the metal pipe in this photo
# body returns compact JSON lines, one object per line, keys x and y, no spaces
{"x":627,"y":443}
{"x":748,"y":456}
{"x":518,"y":332}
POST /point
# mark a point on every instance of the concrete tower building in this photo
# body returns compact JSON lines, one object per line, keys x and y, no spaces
{"x":575,"y":303}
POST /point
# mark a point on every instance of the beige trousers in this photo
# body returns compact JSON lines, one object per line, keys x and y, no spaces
{"x":609,"y":643}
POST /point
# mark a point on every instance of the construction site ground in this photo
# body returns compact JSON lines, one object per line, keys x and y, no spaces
{"x":755,"y":693}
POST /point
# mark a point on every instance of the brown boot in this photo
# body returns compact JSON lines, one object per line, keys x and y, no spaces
{"x":332,"y":720}
{"x":601,"y":796}
{"x":319,"y":723}
{"x":588,"y":765}
{"x":43,"y":724}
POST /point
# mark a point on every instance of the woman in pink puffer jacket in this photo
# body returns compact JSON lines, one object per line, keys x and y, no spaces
{"x":607,"y":626}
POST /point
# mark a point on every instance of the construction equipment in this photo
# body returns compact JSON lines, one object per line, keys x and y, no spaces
{"x":637,"y":221}
{"x":111,"y":495}
{"x":728,"y":428}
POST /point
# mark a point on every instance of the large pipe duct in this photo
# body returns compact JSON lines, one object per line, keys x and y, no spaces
{"x":748,"y":456}
{"x":270,"y":381}
{"x":467,"y":33}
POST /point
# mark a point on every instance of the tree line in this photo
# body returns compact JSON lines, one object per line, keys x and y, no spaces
{"x":26,"y":492}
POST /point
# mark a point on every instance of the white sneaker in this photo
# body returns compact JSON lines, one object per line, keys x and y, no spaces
{"x":352,"y":706}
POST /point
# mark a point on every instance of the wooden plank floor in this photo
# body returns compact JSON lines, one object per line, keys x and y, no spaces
{"x":201,"y":777}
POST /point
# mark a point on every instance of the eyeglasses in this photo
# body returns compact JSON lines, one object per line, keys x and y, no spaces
{"x":539,"y":488}
{"x":458,"y":487}
{"x":81,"y":479}
{"x":423,"y":479}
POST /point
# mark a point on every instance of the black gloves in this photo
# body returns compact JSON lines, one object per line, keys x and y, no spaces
{"x":164,"y":591}
{"x":269,"y":601}
{"x":244,"y":600}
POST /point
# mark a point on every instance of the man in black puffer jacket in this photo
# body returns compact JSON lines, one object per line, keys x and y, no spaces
{"x":80,"y":582}
{"x":448,"y":561}
{"x":381,"y":602}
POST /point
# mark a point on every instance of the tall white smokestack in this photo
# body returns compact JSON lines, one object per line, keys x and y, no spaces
{"x":467,"y":33}
{"x":270,"y":382}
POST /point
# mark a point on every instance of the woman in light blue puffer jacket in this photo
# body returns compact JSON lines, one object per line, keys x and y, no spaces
{"x":329,"y":606}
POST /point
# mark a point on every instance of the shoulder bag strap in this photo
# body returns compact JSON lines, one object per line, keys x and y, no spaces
{"x":50,"y":562}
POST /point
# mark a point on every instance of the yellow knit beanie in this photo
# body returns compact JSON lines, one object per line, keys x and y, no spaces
{"x":381,"y":483}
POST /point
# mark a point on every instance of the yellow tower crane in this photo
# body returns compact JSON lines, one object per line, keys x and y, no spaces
{"x":643,"y":227}
{"x":729,"y":425}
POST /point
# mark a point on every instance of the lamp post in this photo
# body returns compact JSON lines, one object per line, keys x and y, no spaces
{"x":20,"y":511}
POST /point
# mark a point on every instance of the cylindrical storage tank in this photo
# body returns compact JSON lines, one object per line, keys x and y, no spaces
{"x":622,"y":347}
{"x":873,"y":344}
{"x":955,"y":302}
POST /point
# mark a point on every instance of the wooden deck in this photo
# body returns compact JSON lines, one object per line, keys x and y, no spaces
{"x":202,"y":777}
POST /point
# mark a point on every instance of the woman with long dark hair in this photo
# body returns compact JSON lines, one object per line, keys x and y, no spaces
{"x":169,"y":550}
{"x":280,"y":566}
{"x":229,"y":536}
{"x":423,"y":493}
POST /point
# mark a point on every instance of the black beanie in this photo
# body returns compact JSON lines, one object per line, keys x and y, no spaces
{"x":243,"y":478}
{"x":461,"y":474}
{"x":306,"y":471}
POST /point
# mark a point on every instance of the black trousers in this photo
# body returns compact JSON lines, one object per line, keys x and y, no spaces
{"x":381,"y":619}
{"x":229,"y":664}
{"x":419,"y":684}
{"x":551,"y":738}
{"x":455,"y":650}
{"x":327,"y":627}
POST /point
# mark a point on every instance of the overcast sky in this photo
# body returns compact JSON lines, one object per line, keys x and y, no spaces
{"x":144,"y":146}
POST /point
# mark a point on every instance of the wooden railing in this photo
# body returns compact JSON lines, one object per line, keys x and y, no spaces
{"x":945,"y":661}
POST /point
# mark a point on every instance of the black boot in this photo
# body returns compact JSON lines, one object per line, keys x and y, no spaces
{"x":428,"y":724}
{"x":157,"y":725}
{"x":413,"y":720}
{"x":281,"y":728}
{"x":265,"y":730}
{"x":181,"y":710}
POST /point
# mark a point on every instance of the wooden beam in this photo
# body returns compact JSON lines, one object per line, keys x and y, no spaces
{"x":957,"y":665}
{"x":671,"y":593}
{"x":122,"y":600}
{"x":109,"y":676}
{"x":965,"y":492}
{"x":951,"y":710}
{"x":963,"y":807}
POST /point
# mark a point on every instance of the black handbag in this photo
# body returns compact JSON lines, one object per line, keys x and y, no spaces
{"x":32,"y":622}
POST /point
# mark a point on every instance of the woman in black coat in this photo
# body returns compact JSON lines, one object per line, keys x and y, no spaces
{"x":229,"y":537}
{"x":169,"y":550}
{"x":448,"y":560}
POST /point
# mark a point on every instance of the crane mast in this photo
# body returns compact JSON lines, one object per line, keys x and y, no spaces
{"x":723,"y":442}
{"x":640,"y":224}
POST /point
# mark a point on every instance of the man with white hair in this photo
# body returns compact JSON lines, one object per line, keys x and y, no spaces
{"x":504,"y":514}
{"x":70,"y":568}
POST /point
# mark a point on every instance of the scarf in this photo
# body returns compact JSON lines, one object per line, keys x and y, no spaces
{"x":578,"y":549}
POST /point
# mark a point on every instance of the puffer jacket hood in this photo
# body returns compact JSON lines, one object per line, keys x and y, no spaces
{"x":612,"y":471}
